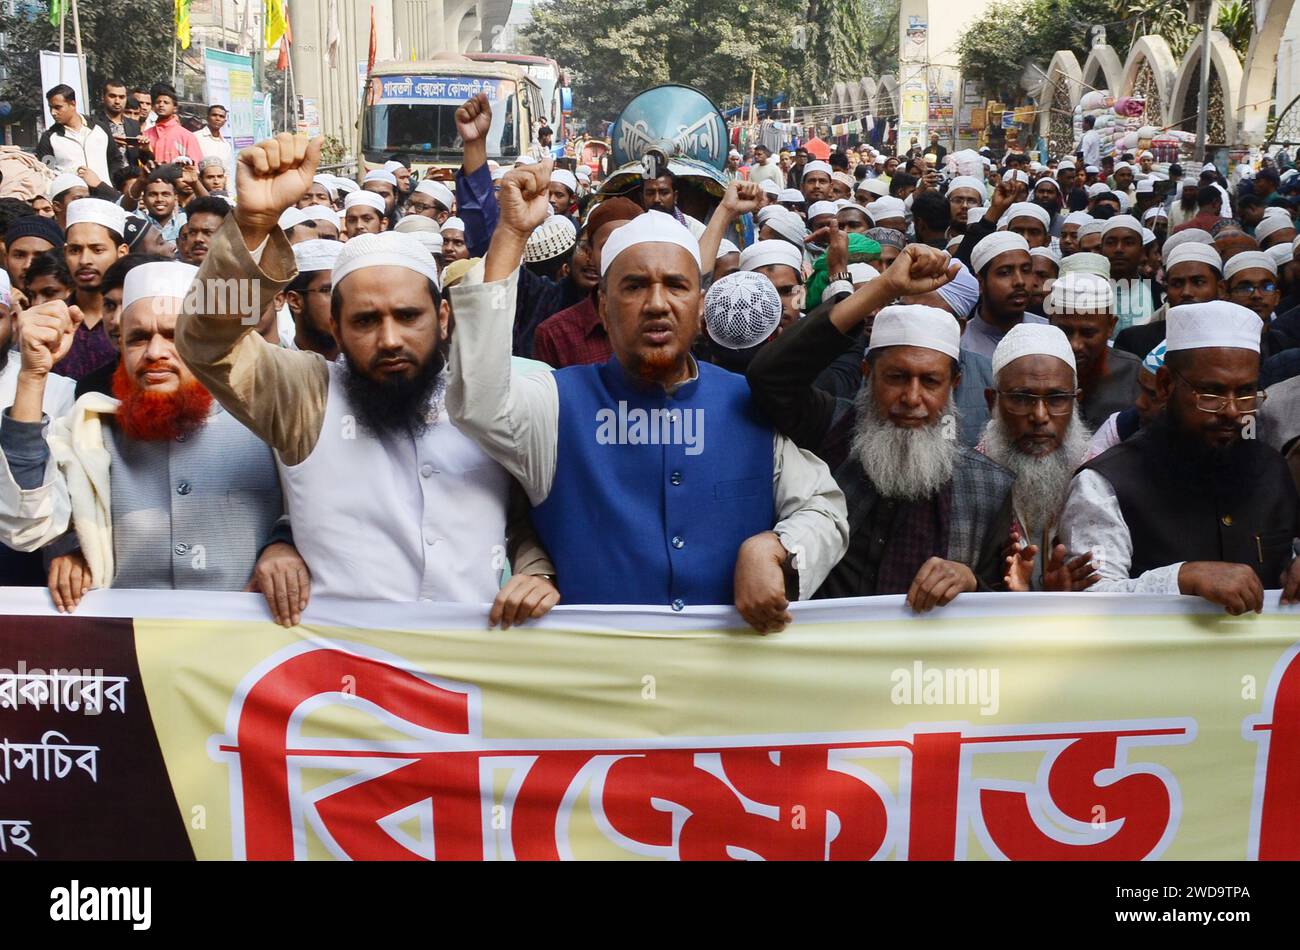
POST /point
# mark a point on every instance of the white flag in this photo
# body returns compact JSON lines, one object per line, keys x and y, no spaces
{"x":332,"y":33}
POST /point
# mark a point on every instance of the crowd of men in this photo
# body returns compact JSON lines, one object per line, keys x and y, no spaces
{"x":924,"y":374}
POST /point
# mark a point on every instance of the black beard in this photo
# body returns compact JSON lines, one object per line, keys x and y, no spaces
{"x":1229,"y":470}
{"x":405,"y":407}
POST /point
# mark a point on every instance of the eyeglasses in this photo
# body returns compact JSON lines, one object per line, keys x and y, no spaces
{"x":1022,"y":404}
{"x":1246,"y":289}
{"x":1214,"y":403}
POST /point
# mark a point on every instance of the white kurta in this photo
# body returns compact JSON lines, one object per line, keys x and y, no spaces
{"x":400,"y":518}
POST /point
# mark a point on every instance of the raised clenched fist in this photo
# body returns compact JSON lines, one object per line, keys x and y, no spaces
{"x":271,"y":176}
{"x":523,"y":197}
{"x":45,"y":335}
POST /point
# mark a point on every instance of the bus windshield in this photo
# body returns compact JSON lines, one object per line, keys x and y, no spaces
{"x":417,"y":115}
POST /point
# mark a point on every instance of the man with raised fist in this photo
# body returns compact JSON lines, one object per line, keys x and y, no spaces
{"x":388,"y":498}
{"x":712,"y":506}
{"x":156,"y":488}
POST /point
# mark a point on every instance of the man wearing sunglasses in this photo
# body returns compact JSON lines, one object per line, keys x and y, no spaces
{"x":1195,"y":503}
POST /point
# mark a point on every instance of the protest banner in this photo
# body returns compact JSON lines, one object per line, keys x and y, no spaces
{"x":1018,"y":726}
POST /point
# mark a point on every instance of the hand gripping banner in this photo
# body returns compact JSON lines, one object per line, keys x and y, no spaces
{"x":1005,"y":726}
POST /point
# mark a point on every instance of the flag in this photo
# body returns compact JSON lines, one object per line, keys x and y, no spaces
{"x":332,"y":34}
{"x":374,"y":43}
{"x":285,"y":42}
{"x":57,"y":11}
{"x":277,"y":22}
{"x":182,"y":8}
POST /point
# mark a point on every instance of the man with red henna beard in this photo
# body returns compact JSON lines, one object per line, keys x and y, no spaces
{"x":156,"y":488}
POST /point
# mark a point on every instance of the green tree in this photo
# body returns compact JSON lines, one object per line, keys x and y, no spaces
{"x":617,"y":48}
{"x":121,"y":40}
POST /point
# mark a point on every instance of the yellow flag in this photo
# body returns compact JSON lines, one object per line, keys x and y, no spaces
{"x":276,"y":22}
{"x":183,"y":22}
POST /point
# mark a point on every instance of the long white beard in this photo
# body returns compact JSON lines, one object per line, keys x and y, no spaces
{"x":1042,"y":481}
{"x":909,"y":464}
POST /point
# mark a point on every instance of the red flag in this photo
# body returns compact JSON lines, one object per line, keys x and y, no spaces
{"x":374,"y":43}
{"x":283,"y":62}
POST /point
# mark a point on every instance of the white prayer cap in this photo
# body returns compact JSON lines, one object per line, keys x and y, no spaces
{"x":583,"y":172}
{"x":1077,"y":217}
{"x":1124,"y":201}
{"x":329,"y":183}
{"x":818,"y":166}
{"x":860,"y":273}
{"x":1097,"y":188}
{"x":1080,"y":292}
{"x":346,"y":185}
{"x":962,"y":292}
{"x":772,"y":188}
{"x":553,"y":237}
{"x":1122,"y":165}
{"x":1121,"y":222}
{"x":62,"y":183}
{"x":1195,"y":252}
{"x":1148,"y":237}
{"x":844,"y":179}
{"x":1085,"y":262}
{"x":1015,"y":174}
{"x":726,"y":247}
{"x":652,"y":227}
{"x":1046,"y":252}
{"x":367,"y":198}
{"x":438,"y":192}
{"x":842,"y":203}
{"x":975,"y":214}
{"x":1195,"y":326}
{"x":873,"y":186}
{"x":424,"y":229}
{"x":769,"y":212}
{"x":787,"y":224}
{"x":1157,"y":212}
{"x":788,"y":195}
{"x":1065,"y":163}
{"x":1092,"y":227}
{"x":741,"y":310}
{"x":818,"y":208}
{"x":971,"y":182}
{"x":1033,"y":339}
{"x":1188,"y":236}
{"x":562,"y":176}
{"x":1246,"y":260}
{"x":171,"y":279}
{"x":96,"y":211}
{"x":1146,"y":187}
{"x":321,"y":213}
{"x":999,"y":242}
{"x":916,"y":325}
{"x":764,"y":253}
{"x":1091,"y":170}
{"x":378,"y":174}
{"x":1209,"y":167}
{"x":316,"y":254}
{"x":1025,"y":209}
{"x":1048,"y":180}
{"x":882,"y":209}
{"x":393,"y":165}
{"x":291,"y":217}
{"x":1271,"y":224}
{"x":1146,"y":153}
{"x":386,"y":249}
{"x":1282,"y":255}
{"x":453,"y":224}
{"x":1275,"y":212}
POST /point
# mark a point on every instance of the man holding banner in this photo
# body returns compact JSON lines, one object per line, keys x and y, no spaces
{"x":653,"y":478}
{"x":1194,"y":503}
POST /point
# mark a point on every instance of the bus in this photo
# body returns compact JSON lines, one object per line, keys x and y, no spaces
{"x":548,"y":75}
{"x":410,"y":111}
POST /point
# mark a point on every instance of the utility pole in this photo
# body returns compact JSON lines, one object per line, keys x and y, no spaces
{"x":1202,"y":116}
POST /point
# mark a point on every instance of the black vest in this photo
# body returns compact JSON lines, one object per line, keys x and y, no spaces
{"x":1172,"y":518}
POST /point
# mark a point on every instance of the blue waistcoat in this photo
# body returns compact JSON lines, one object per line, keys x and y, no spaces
{"x":654,"y":493}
